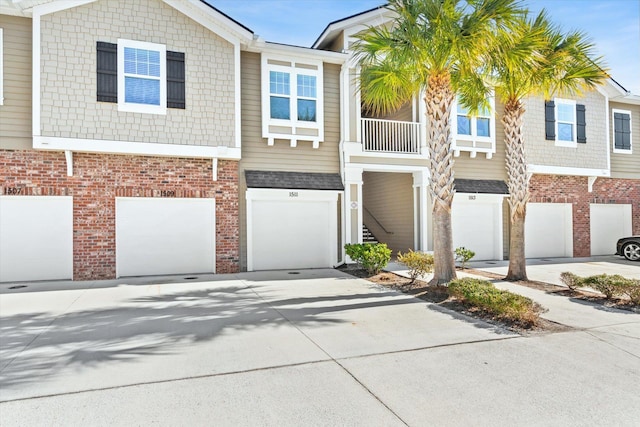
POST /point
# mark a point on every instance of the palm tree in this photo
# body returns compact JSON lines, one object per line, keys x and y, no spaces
{"x":439,"y":47}
{"x":534,"y":57}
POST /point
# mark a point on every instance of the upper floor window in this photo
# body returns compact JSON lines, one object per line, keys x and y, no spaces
{"x":474,"y":133}
{"x":140,"y":77}
{"x":621,"y":131}
{"x":565,"y":122}
{"x":292,"y":100}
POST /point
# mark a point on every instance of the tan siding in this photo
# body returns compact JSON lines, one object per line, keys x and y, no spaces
{"x":626,"y":165}
{"x":15,"y":114}
{"x":257,"y":155}
{"x":69,"y":106}
{"x":389,"y":198}
{"x":402,"y":114}
{"x":480,"y":167}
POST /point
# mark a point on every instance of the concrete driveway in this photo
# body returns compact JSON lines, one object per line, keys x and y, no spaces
{"x":315,"y":347}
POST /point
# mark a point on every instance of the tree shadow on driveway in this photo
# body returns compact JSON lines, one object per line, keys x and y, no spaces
{"x":39,"y":347}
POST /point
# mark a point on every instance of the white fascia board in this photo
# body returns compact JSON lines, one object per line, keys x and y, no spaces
{"x":212,"y":20}
{"x":561,"y":170}
{"x":238,"y":96}
{"x":136,"y":148}
{"x":298,"y":52}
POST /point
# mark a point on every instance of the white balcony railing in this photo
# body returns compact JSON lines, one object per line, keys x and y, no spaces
{"x":390,"y":136}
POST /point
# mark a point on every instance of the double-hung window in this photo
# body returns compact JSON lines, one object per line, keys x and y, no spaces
{"x":292,"y":101}
{"x":621,"y":131}
{"x":142,"y":80}
{"x":565,"y":122}
{"x":474,"y":133}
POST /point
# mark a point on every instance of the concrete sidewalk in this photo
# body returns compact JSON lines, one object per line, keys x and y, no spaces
{"x":314,"y":347}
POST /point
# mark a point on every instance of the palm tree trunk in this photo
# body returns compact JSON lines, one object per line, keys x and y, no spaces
{"x":439,"y":99}
{"x":518,"y":184}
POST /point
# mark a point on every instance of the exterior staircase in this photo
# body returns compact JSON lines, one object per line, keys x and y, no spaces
{"x":367,"y":236}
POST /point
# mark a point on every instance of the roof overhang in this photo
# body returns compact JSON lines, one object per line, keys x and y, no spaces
{"x":198,"y":10}
{"x":369,"y":17}
{"x":260,"y":46}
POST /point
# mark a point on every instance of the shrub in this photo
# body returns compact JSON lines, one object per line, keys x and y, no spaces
{"x":418,"y":263}
{"x":373,"y":257}
{"x":464,"y":255}
{"x":571,"y":280}
{"x":503,"y":304}
{"x":611,"y":286}
{"x":633,"y":291}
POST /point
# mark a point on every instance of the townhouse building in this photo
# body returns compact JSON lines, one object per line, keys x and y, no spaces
{"x":163,"y":137}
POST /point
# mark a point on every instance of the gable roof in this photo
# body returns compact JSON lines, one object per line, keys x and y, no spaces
{"x":199,"y":10}
{"x":334,"y":28}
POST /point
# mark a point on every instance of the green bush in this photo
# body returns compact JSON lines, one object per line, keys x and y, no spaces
{"x":571,"y":280}
{"x":611,"y":285}
{"x":418,"y":263}
{"x":503,"y":304}
{"x":633,"y":291}
{"x":373,"y":257}
{"x":464,"y":255}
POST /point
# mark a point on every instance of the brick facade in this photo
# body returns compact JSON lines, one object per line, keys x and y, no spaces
{"x":99,"y":178}
{"x":574,"y":190}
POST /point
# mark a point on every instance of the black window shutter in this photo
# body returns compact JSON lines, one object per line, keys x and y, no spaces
{"x":175,"y":80}
{"x":622,"y":131}
{"x":550,"y":120}
{"x":581,"y":123}
{"x":107,"y":71}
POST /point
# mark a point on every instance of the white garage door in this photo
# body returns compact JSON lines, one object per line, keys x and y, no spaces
{"x":286,"y":233}
{"x":477,"y":225}
{"x":608,"y":224}
{"x":164,"y":236}
{"x":549,"y":230}
{"x":36,"y":238}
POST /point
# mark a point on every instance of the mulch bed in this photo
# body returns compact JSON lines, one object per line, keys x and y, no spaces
{"x":440,"y":296}
{"x":594,"y":297}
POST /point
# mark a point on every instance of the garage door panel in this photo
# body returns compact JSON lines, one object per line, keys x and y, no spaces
{"x":290,"y":235}
{"x":476,"y":226}
{"x":608,"y":224}
{"x":549,"y":230}
{"x":36,"y":238}
{"x":165,"y":236}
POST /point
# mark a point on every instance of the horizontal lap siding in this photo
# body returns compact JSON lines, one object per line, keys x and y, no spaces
{"x":626,"y":165}
{"x":15,"y":114}
{"x":257,"y":155}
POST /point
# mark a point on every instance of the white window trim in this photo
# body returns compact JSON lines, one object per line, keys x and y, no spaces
{"x":474,"y":138}
{"x":142,"y":108}
{"x":561,"y":143}
{"x":613,"y":133}
{"x":1,"y":68}
{"x":293,"y":122}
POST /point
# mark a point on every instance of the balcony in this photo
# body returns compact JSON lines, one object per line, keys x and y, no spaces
{"x":390,"y":136}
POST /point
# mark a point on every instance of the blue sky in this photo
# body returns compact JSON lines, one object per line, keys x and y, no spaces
{"x":613,"y":25}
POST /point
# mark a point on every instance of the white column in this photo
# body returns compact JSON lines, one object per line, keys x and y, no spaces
{"x":353,"y":204}
{"x":421,"y":211}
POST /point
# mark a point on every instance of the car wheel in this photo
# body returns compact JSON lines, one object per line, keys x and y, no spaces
{"x":631,"y":251}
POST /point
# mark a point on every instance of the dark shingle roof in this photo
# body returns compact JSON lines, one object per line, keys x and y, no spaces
{"x":293,"y":180}
{"x":481,"y":186}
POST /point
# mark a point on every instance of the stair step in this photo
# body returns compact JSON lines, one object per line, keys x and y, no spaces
{"x":367,"y":235}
